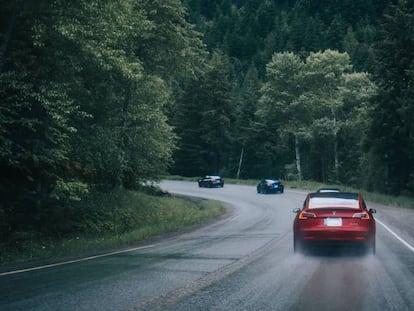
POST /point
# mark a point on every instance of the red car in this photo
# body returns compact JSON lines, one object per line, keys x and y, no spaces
{"x":334,"y":218}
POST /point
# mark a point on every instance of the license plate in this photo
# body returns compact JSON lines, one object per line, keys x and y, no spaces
{"x":333,"y":222}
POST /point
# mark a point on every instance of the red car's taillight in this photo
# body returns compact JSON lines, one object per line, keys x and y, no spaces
{"x":306,"y":215}
{"x":361,"y":216}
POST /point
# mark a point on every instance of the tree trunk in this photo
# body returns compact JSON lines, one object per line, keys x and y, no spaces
{"x":336,"y":157}
{"x":123,"y":139}
{"x":335,"y":133}
{"x":240,"y":162}
{"x":297,"y":151}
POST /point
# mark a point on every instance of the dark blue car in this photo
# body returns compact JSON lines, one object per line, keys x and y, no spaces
{"x":270,"y":185}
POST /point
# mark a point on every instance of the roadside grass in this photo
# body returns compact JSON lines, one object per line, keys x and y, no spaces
{"x":404,"y":201}
{"x":112,"y":220}
{"x":116,"y":219}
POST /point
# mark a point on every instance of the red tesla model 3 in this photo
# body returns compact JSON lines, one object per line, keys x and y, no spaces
{"x":334,"y":218}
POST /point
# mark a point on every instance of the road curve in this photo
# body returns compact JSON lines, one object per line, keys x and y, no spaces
{"x":242,"y":262}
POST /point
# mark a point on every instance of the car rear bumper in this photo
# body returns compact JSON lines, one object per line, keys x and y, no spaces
{"x":210,"y":185}
{"x":275,"y":190}
{"x":336,"y":235}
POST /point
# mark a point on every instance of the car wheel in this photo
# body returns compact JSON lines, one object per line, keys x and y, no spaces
{"x":371,"y":247}
{"x":297,"y":246}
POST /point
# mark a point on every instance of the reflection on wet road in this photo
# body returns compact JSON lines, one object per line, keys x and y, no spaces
{"x":243,"y":261}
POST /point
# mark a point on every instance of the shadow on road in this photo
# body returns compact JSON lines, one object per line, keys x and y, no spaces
{"x":335,"y":251}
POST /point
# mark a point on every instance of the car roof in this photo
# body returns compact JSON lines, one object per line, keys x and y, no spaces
{"x":329,"y":189}
{"x":335,"y":194}
{"x":334,"y":199}
{"x":271,"y":179}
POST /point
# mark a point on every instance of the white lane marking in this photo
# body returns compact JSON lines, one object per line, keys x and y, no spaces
{"x":75,"y":260}
{"x":411,"y":248}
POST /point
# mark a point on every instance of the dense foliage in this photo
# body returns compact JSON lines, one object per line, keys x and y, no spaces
{"x":84,"y":86}
{"x":323,"y":91}
{"x":102,"y":95}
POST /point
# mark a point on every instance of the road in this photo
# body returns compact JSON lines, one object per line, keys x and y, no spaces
{"x":243,"y":261}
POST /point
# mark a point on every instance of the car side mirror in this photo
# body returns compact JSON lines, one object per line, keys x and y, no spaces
{"x":372,"y":210}
{"x":296,"y":210}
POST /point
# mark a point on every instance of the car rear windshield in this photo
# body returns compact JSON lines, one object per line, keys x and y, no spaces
{"x":327,"y":202}
{"x":272,"y":180}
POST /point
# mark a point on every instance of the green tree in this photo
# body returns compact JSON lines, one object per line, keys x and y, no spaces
{"x":205,"y":120}
{"x":169,"y":47}
{"x":138,"y":51}
{"x":335,"y":95}
{"x":188,"y":157}
{"x":314,"y":101}
{"x":282,"y":109}
{"x":85,"y":86}
{"x":391,"y":134}
{"x":217,"y":95}
{"x":357,"y":91}
{"x":325,"y":71}
{"x":243,"y":130}
{"x":36,"y":115}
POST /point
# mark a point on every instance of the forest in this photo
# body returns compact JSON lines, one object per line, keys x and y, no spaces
{"x":99,"y":95}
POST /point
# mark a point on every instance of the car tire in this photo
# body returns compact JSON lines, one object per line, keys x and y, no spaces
{"x":371,"y":247}
{"x":297,"y":246}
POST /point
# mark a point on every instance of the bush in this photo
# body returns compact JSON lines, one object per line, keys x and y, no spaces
{"x":108,"y":219}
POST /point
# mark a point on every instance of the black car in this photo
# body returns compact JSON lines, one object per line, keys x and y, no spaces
{"x":270,"y":185}
{"x":211,"y":181}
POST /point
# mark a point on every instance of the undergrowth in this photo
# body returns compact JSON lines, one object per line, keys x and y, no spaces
{"x":110,"y":220}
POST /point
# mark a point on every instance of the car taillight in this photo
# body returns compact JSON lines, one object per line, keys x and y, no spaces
{"x":306,"y":215}
{"x":361,"y":216}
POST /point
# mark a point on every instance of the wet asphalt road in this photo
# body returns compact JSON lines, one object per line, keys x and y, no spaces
{"x":244,"y":261}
